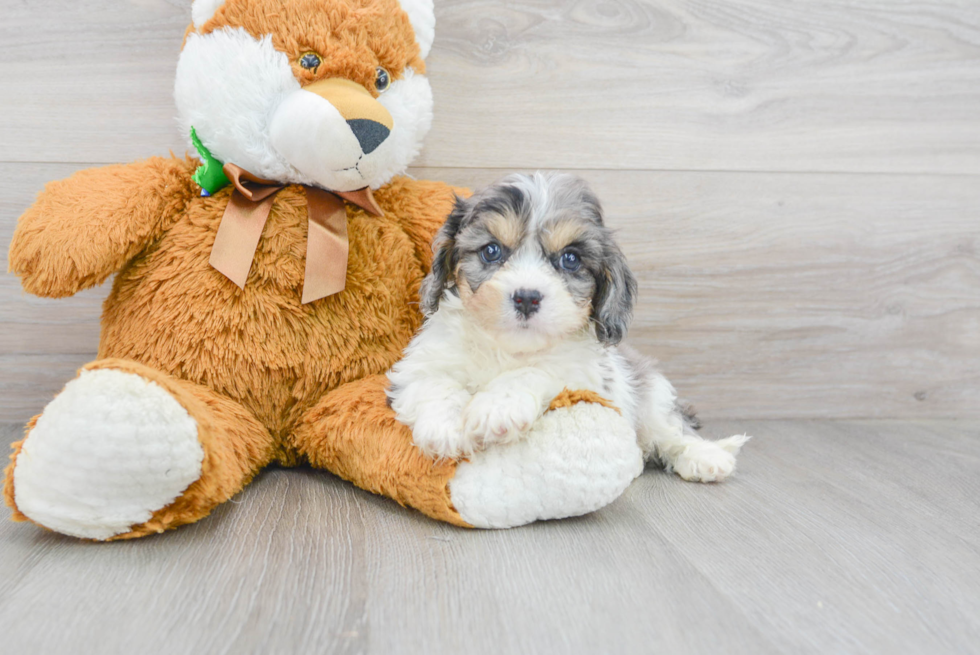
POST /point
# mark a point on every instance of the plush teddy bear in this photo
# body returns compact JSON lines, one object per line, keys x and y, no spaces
{"x":263,"y":290}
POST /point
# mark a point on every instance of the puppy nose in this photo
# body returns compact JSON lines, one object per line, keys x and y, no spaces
{"x":370,"y":134}
{"x":527,"y":301}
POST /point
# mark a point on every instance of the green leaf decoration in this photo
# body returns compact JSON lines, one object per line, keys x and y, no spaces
{"x":209,"y":175}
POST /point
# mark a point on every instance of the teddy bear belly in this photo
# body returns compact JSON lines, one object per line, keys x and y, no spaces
{"x":260,"y":346}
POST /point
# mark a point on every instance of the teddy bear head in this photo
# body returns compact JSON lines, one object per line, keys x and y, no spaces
{"x":329,"y":93}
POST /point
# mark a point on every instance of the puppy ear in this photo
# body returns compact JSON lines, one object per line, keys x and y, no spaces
{"x":612,"y":303}
{"x":444,"y":260}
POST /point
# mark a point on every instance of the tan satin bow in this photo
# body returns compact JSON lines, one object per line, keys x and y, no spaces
{"x":327,"y":245}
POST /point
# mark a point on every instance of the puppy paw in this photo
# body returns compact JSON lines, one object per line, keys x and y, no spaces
{"x":499,"y":416}
{"x":708,"y":461}
{"x":439,"y":434}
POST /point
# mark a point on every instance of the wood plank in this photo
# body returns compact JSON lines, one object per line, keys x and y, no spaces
{"x":302,"y":562}
{"x":716,"y":85}
{"x":852,"y":536}
{"x":89,"y":82}
{"x":43,"y":342}
{"x":783,"y":295}
{"x":841,"y":536}
{"x":29,"y":382}
{"x":764,"y":295}
{"x":40,"y":326}
{"x":764,"y":85}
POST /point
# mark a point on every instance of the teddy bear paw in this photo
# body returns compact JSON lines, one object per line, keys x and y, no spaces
{"x":107,"y":452}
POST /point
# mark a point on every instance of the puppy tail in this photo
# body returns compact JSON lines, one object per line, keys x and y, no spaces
{"x":690,"y":415}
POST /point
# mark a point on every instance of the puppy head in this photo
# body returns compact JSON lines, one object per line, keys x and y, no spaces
{"x":532,"y":261}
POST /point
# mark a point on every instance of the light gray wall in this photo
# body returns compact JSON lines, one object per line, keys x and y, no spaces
{"x":796,"y":184}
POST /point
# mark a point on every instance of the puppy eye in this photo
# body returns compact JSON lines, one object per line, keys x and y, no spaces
{"x":570,"y":261}
{"x":491,"y":253}
{"x":382,"y":80}
{"x":310,"y":61}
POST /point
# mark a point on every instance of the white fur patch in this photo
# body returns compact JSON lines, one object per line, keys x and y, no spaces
{"x":228,"y":86}
{"x":409,"y":101}
{"x":558,"y":317}
{"x":203,"y":10}
{"x":240,"y":95}
{"x":483,"y":368}
{"x":574,"y":461}
{"x":107,"y":452}
{"x":422,"y":15}
{"x":699,"y":460}
{"x":311,"y":134}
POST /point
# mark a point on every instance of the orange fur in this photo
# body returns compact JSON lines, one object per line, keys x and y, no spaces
{"x":260,"y":346}
{"x":352,"y":38}
{"x":264,"y":376}
{"x":83,"y":229}
{"x":236,"y":447}
{"x":354,"y":434}
{"x":567,"y":398}
{"x":242,"y":362}
{"x":8,"y":475}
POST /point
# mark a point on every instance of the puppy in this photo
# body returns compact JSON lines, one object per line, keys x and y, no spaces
{"x":529,"y":295}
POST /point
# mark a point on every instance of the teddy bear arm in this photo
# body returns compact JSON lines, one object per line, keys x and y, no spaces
{"x":84,"y":228}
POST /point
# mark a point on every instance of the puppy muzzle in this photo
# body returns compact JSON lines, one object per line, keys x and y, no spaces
{"x":527,"y":301}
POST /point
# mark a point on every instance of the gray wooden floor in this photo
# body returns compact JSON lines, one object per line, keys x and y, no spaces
{"x":834,"y":537}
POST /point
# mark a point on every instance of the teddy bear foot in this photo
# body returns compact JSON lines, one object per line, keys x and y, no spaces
{"x":573,"y":461}
{"x":107,"y":452}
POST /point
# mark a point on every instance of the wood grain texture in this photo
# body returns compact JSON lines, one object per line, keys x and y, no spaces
{"x":867,"y":85}
{"x":857,"y":537}
{"x":775,"y":287}
{"x":818,"y":295}
{"x":764,"y":295}
{"x":716,"y":85}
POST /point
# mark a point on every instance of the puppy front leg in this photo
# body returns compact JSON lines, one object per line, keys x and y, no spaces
{"x":663,"y":435}
{"x":433,"y":409}
{"x":509,"y":406}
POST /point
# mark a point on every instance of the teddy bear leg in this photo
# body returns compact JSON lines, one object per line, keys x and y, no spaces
{"x":125,"y":451}
{"x":352,"y":433}
{"x":578,"y":457}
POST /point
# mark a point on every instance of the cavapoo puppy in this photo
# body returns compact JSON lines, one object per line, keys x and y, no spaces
{"x":529,"y":295}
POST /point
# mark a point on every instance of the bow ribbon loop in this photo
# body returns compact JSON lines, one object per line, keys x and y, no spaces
{"x":327,"y":245}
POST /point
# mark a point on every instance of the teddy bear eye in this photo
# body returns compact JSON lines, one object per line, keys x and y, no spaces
{"x":382,"y":80}
{"x":310,"y":61}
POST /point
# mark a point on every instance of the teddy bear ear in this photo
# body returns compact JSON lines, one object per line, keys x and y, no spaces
{"x":423,"y":18}
{"x":203,"y":10}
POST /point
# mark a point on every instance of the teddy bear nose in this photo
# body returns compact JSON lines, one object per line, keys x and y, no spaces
{"x":370,"y":134}
{"x":527,"y":301}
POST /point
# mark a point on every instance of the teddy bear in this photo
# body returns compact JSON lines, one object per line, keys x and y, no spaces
{"x":263,"y":288}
